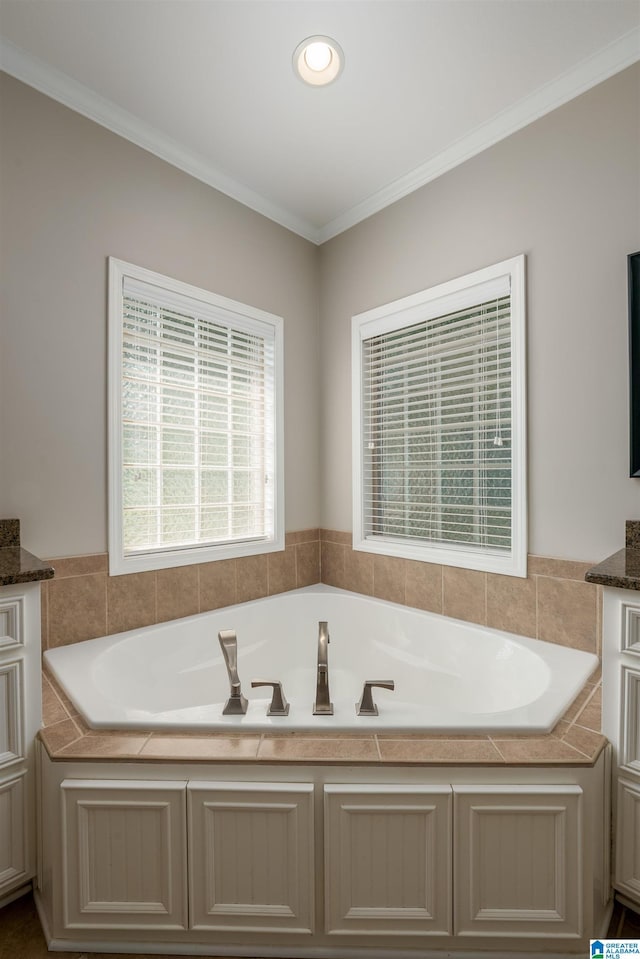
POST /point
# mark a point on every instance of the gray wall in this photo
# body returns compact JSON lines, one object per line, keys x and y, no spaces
{"x":72,"y":194}
{"x":566,"y":192}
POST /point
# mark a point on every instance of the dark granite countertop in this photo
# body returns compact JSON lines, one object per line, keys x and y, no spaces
{"x":16,"y":564}
{"x":622,"y":570}
{"x":19,"y":566}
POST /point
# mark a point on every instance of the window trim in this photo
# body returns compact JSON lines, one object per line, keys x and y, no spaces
{"x":119,"y":563}
{"x":453,"y":294}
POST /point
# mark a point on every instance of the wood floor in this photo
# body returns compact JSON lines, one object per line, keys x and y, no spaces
{"x":21,"y":936}
{"x":625,"y":923}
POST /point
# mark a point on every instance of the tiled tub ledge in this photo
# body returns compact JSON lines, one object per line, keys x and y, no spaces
{"x":576,"y":740}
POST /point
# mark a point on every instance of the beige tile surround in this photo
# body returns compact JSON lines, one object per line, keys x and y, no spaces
{"x":83,"y":601}
{"x":553,"y":603}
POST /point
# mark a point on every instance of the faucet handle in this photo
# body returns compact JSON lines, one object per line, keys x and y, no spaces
{"x":366,"y":706}
{"x":279,"y":705}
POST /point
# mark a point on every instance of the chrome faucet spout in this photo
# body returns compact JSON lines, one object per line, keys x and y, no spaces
{"x":236,"y":704}
{"x":323,"y":645}
{"x":323,"y":705}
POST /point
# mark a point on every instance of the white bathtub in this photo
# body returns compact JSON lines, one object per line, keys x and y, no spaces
{"x":449,"y":676}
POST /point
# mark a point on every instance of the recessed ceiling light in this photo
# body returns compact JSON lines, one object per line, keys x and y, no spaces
{"x":318,"y":60}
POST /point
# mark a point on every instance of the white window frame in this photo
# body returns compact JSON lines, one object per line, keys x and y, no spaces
{"x":247,"y":317}
{"x":438,"y":301}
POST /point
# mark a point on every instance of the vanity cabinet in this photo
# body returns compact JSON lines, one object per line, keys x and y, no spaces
{"x":621,"y":725}
{"x":20,"y":719}
{"x":335,"y":864}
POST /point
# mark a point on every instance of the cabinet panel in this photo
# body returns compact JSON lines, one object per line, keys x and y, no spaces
{"x":388,"y":859}
{"x":20,"y":719}
{"x":251,"y":856}
{"x":124,"y":861}
{"x":630,"y":718}
{"x":631,"y":629}
{"x":11,"y":713}
{"x":518,"y":861}
{"x":621,"y":725}
{"x":628,"y":839}
{"x":11,"y":622}
{"x":13,"y":840}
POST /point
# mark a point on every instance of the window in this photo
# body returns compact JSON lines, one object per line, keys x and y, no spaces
{"x":439,"y":424}
{"x":196,"y":423}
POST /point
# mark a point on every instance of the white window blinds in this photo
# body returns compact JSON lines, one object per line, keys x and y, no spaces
{"x":197,"y":424}
{"x":435,"y":426}
{"x":437,"y":423}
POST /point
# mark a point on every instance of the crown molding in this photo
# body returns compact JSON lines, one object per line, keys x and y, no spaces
{"x":57,"y":85}
{"x":588,"y":73}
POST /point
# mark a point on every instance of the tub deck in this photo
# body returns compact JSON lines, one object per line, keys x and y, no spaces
{"x":451,"y":677}
{"x":576,"y":740}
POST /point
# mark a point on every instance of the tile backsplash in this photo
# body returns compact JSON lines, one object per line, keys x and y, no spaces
{"x":553,"y":603}
{"x":83,"y":601}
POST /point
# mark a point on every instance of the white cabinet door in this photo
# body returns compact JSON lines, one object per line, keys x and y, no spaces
{"x":13,"y":839}
{"x":627,"y":859}
{"x":518,"y":860}
{"x":630,"y":717}
{"x":12,"y":746}
{"x":251,"y":856}
{"x":11,"y":621}
{"x":388,"y":860}
{"x":621,"y":724}
{"x":124,"y":854}
{"x":20,"y":719}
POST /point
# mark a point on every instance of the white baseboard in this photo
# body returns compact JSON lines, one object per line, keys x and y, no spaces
{"x":601,"y":933}
{"x":16,"y":894}
{"x":290,"y":952}
{"x":42,"y":916}
{"x":628,"y":903}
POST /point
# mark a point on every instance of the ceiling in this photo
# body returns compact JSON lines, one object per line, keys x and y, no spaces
{"x":208,"y":85}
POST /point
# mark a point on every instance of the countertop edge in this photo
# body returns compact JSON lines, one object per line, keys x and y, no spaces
{"x":621,"y":570}
{"x":18,"y":566}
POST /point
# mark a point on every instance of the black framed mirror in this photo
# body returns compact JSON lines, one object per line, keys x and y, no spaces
{"x":634,"y":362}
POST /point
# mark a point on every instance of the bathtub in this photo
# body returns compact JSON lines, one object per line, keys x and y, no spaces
{"x":450,"y":676}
